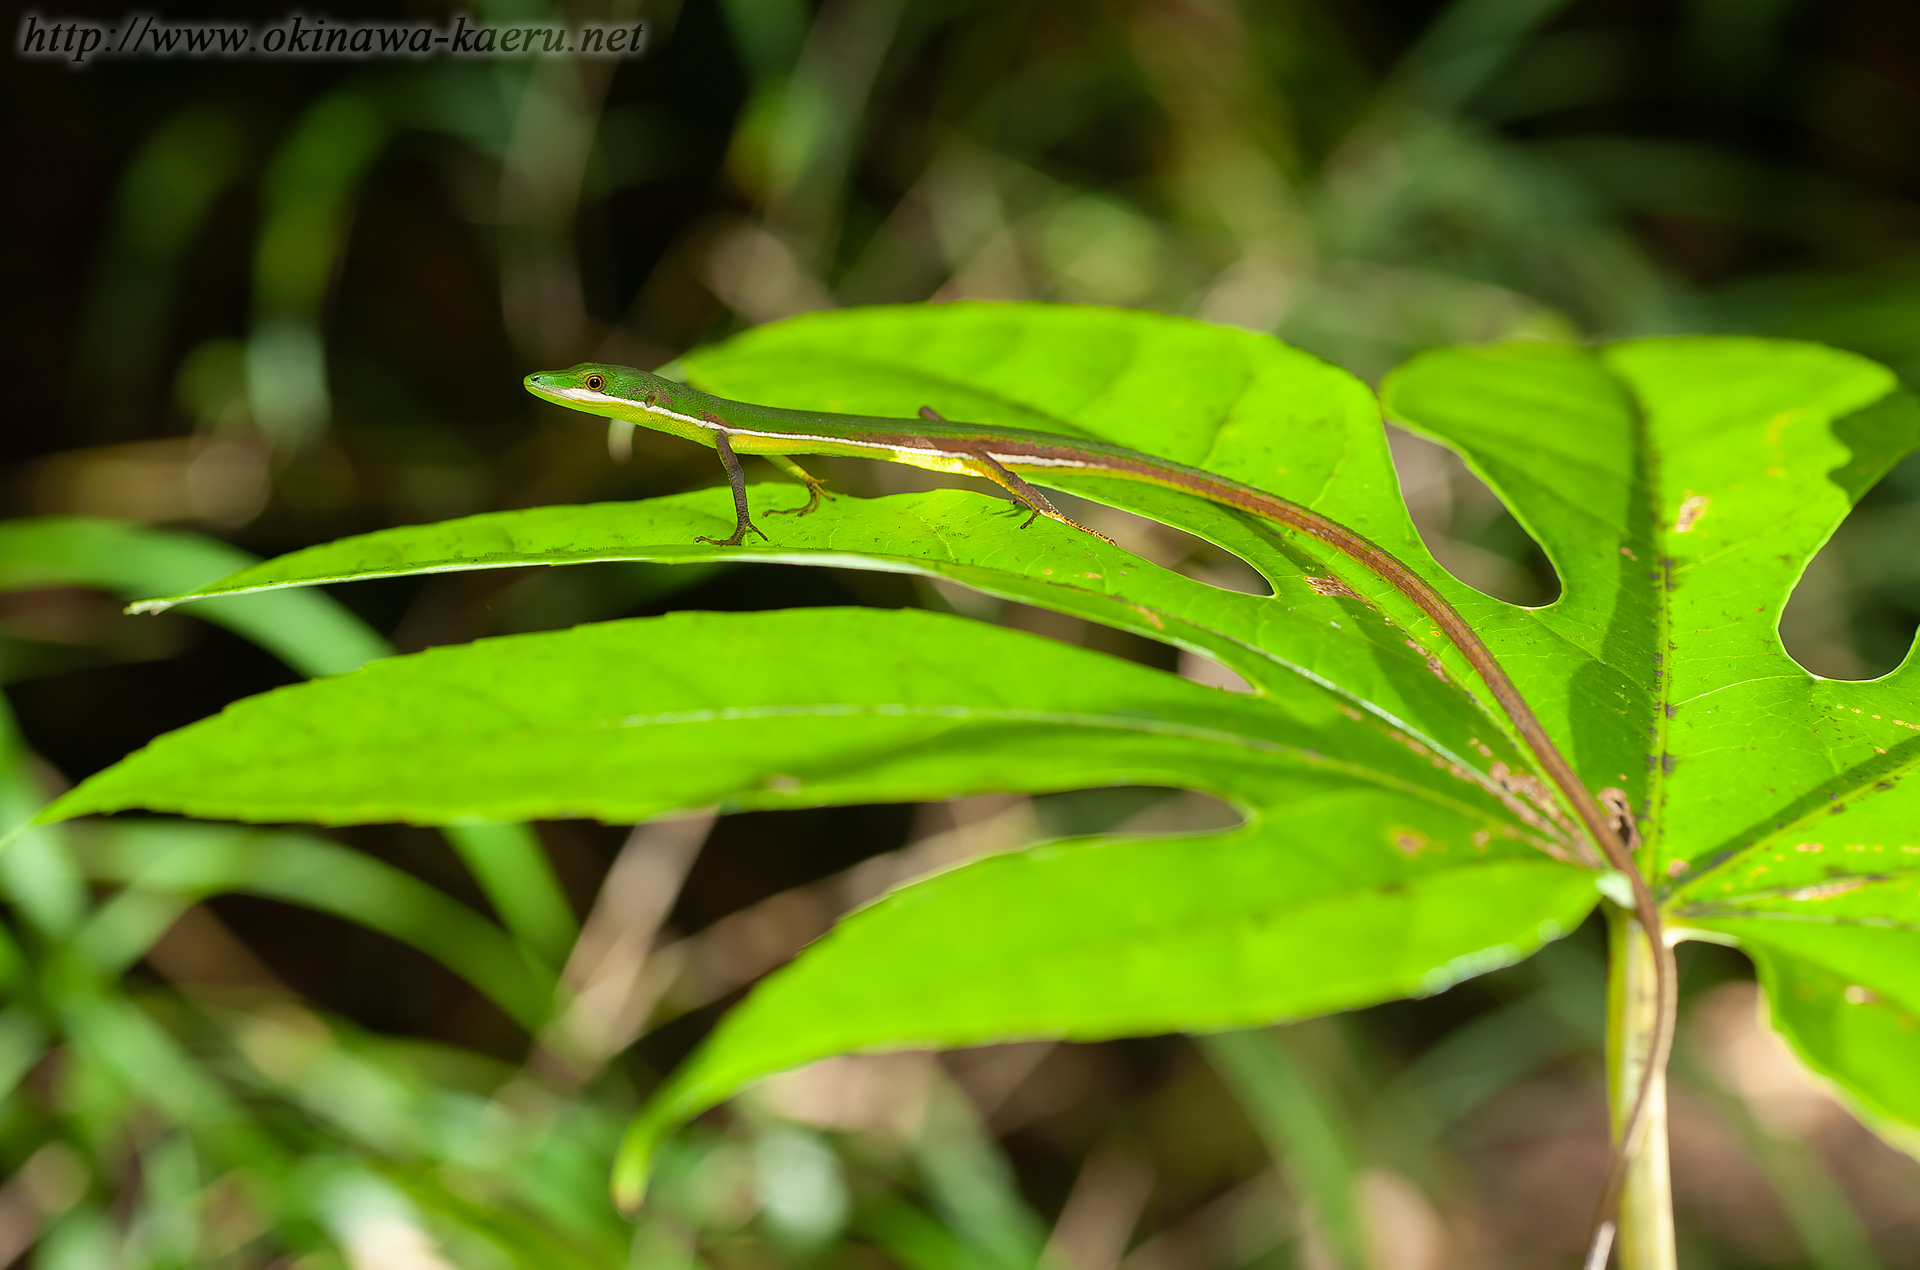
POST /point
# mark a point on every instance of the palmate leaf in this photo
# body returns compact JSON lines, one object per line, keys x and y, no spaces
{"x":1680,"y":487}
{"x":1388,"y":848}
{"x":1386,"y":851}
{"x":1238,"y":403}
{"x":1365,"y":871}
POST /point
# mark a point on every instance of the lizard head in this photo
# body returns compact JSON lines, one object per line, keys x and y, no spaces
{"x":604,"y":389}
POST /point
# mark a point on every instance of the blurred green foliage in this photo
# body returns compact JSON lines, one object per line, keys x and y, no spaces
{"x":274,"y":303}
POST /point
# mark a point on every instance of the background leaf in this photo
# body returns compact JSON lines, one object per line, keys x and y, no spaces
{"x":282,"y":308}
{"x":307,"y":630}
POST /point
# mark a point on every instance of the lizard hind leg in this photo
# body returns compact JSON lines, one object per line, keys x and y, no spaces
{"x":1027,"y":496}
{"x":816,"y":488}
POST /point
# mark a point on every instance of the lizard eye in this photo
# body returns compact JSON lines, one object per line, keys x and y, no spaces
{"x":596,"y":383}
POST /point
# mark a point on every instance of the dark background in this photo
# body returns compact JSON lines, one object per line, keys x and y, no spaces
{"x":186,"y":239}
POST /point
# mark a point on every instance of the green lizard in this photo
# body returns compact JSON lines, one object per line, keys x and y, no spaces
{"x":1000,"y":454}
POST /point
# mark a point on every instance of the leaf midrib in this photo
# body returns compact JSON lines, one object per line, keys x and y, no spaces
{"x":1645,"y":484}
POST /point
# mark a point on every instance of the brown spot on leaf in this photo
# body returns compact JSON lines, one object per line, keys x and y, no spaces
{"x":1690,"y":513}
{"x":1331,"y":586}
{"x":1410,"y":844}
{"x":1152,"y":617}
{"x":1525,"y":796}
{"x":1826,"y":890}
{"x":1531,"y":799}
{"x":1433,"y":663}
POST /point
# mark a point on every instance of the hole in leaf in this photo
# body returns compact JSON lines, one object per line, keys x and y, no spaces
{"x":1853,"y":613}
{"x":1202,"y":669}
{"x":1131,"y":809}
{"x":1175,"y":549}
{"x":1170,"y":548}
{"x":1466,"y":526}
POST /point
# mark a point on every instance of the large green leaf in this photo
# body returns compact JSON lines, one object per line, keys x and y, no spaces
{"x":1239,"y":403}
{"x":1680,"y":487}
{"x":1366,"y":870}
{"x":1307,"y":911}
{"x":964,"y":538}
{"x":626,"y":720}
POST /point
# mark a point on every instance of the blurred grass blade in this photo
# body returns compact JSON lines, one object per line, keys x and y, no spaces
{"x":22,"y":1041}
{"x":1302,"y":1127}
{"x":164,"y":197}
{"x":1821,"y":1212}
{"x":116,"y":1039}
{"x":14,"y":966}
{"x":309,"y":192}
{"x":1468,"y":43}
{"x":512,"y":868}
{"x":914,"y":1238}
{"x":37,"y":870}
{"x":197,"y":860}
{"x":309,"y":631}
{"x":971,"y":1184}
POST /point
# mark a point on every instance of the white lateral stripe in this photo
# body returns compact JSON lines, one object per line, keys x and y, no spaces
{"x":1033,"y":460}
{"x":736,"y":430}
{"x":1005,"y":460}
{"x":883,"y":446}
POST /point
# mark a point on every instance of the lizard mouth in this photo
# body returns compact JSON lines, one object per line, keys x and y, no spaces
{"x":552,"y":388}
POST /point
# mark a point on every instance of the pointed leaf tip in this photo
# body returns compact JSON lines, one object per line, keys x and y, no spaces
{"x":639,"y":1150}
